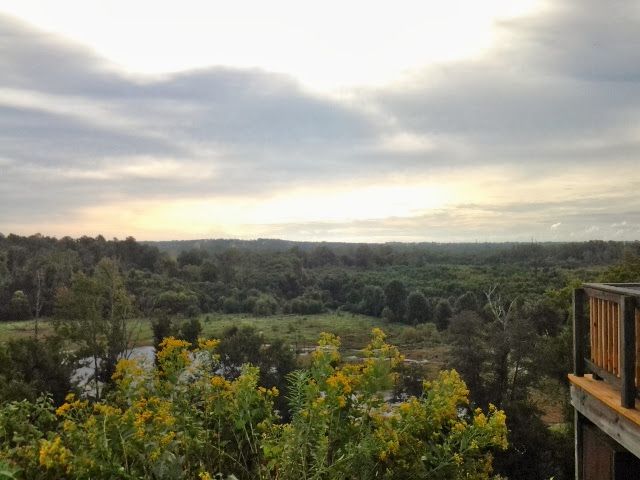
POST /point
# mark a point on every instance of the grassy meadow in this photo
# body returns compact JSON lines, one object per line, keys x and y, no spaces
{"x":420,"y":345}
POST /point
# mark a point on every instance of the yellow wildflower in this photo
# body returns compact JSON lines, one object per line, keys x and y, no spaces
{"x":480,"y":420}
{"x":53,"y":454}
{"x":219,"y":382}
{"x":62,"y":409}
{"x":210,"y":344}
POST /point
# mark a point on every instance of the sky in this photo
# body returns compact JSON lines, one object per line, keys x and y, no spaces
{"x":341,"y":121}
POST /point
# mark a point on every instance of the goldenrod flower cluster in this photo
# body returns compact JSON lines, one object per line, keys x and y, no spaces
{"x":53,"y":454}
{"x":173,"y":423}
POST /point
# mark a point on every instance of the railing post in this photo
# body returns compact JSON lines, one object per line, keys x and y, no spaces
{"x":579,"y":331}
{"x":628,"y":351}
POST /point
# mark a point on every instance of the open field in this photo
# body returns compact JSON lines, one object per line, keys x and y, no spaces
{"x":301,"y":331}
{"x":23,"y":329}
{"x":420,"y":346}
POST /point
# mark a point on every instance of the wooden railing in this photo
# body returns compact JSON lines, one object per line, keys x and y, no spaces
{"x":607,"y":335}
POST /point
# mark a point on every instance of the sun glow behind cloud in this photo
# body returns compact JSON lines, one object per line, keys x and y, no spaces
{"x":396,"y":209}
{"x":246,"y":217}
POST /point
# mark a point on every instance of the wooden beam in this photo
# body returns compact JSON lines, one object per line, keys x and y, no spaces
{"x":602,"y":295}
{"x":632,"y":289}
{"x":606,"y":393}
{"x":579,"y":331}
{"x":578,"y":425}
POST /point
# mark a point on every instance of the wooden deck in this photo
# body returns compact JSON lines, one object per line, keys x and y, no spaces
{"x":600,"y":403}
{"x":607,"y":336}
{"x":606,"y":343}
{"x":607,"y":394}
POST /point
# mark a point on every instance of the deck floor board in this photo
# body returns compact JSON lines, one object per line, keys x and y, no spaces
{"x":607,"y":394}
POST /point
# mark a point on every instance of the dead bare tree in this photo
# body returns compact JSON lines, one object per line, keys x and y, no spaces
{"x":502,"y":313}
{"x":38,"y":300}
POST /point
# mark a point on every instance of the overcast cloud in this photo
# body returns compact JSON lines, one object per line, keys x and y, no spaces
{"x":536,"y":138}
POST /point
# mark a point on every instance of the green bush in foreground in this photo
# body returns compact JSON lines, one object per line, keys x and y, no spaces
{"x":181,"y":420}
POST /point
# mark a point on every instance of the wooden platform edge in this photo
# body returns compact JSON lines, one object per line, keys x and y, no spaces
{"x":621,"y":428}
{"x":607,"y":394}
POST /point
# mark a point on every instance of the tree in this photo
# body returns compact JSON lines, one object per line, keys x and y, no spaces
{"x":499,"y":360}
{"x":265,"y":305}
{"x":545,"y":317}
{"x":395,"y":294}
{"x":162,"y":328}
{"x":178,"y":302}
{"x":241,"y":346}
{"x":93,"y":313}
{"x":227,"y":262}
{"x":19,"y":308}
{"x":321,"y":256}
{"x":469,"y":355}
{"x":4,"y":271}
{"x":363,"y":256}
{"x":208,"y":271}
{"x":418,"y":308}
{"x":442,"y":314}
{"x":30,"y":367}
{"x":190,"y":330}
{"x":628,"y":270}
{"x":191,"y":257}
{"x":467,"y":301}
{"x":513,"y":342}
{"x":38,"y":296}
{"x":372,"y":300}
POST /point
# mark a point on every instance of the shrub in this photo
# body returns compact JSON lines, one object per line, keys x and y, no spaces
{"x":423,"y":333}
{"x":19,"y":308}
{"x":306,"y":306}
{"x":265,"y":305}
{"x":231,"y":305}
{"x":182,"y":420}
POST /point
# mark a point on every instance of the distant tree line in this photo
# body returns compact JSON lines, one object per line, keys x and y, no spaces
{"x":412,"y":283}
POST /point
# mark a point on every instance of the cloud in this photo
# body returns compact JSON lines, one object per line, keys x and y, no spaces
{"x":69,"y":117}
{"x":541,"y":130}
{"x":562,"y":82}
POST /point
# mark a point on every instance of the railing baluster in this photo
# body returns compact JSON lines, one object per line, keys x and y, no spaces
{"x":596,"y":315}
{"x":616,"y":343}
{"x":606,"y":364}
{"x":601,"y":334}
{"x":610,"y":336}
{"x":592,"y":328}
{"x":628,"y":351}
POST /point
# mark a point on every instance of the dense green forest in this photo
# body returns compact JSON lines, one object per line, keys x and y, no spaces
{"x":265,"y":276}
{"x":497,"y":313}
